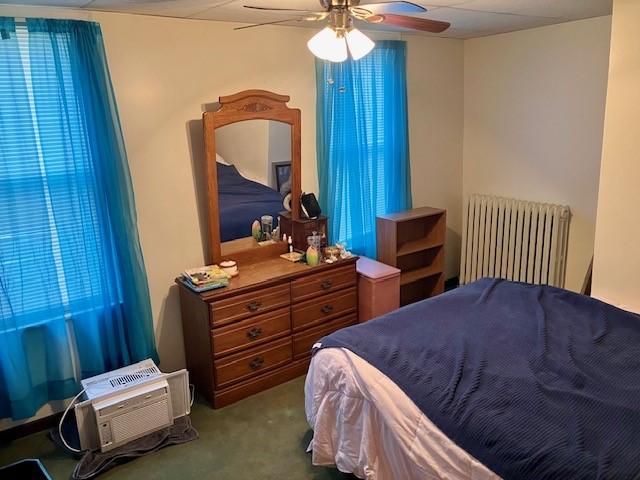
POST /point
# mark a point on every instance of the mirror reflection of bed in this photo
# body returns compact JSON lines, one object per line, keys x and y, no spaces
{"x":253,"y":161}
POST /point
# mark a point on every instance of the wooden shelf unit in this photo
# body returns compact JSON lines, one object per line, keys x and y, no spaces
{"x":413,"y":241}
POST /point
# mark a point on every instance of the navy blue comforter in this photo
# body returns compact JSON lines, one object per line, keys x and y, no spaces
{"x":242,"y":201}
{"x":533,"y":381}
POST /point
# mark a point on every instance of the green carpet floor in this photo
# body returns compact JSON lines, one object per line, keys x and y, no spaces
{"x":262,"y":437}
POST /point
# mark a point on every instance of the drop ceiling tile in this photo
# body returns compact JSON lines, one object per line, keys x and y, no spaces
{"x":47,"y":3}
{"x":486,"y":23}
{"x":235,"y":11}
{"x":168,"y":8}
{"x":565,"y":9}
{"x":439,"y":3}
{"x":469,"y":18}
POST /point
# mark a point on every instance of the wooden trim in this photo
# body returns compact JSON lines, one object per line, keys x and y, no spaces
{"x":238,"y":97}
{"x":242,"y":106}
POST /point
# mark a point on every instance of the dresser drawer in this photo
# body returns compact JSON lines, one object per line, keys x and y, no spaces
{"x":250,"y":363}
{"x":303,"y":341}
{"x":324,"y":282}
{"x":249,"y":304}
{"x":325,"y":308}
{"x":250,"y":332}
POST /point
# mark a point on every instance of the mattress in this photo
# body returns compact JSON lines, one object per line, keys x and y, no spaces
{"x":365,"y":424}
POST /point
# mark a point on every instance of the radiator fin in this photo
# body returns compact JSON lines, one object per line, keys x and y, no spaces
{"x":514,"y":239}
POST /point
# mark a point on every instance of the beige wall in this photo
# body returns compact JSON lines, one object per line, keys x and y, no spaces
{"x":166,"y":71}
{"x":435,"y":73}
{"x":533,"y":120}
{"x":616,"y":275}
{"x":246,"y":145}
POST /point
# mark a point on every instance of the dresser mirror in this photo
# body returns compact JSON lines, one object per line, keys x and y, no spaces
{"x":252,"y":148}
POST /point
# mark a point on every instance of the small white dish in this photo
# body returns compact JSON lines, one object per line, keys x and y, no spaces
{"x":230,"y":267}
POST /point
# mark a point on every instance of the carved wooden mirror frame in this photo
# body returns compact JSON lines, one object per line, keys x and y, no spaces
{"x":242,"y":106}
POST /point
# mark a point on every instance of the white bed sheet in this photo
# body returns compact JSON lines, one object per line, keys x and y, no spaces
{"x":364,"y":424}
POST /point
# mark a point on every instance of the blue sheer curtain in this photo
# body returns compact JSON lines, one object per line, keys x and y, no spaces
{"x":362,"y":143}
{"x":74,"y":298}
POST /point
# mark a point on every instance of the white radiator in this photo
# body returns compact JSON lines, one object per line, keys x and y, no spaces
{"x":514,"y":239}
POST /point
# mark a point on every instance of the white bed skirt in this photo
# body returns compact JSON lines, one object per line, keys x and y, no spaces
{"x":364,"y":424}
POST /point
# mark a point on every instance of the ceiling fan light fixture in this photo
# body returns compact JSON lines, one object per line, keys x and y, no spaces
{"x":329,"y":45}
{"x":359,"y":44}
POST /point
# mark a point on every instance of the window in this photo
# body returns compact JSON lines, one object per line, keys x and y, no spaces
{"x":363,"y":148}
{"x":74,"y":299}
{"x":50,"y":238}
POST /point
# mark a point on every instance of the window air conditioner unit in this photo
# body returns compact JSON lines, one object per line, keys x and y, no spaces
{"x":128,"y":403}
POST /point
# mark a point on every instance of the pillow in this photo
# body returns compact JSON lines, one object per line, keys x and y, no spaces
{"x":221,"y":160}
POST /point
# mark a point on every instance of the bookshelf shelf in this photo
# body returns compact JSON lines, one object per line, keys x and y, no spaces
{"x":411,"y":276}
{"x":419,"y":245}
{"x":413,"y":241}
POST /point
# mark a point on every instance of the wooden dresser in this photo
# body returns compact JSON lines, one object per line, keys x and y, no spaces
{"x":258,"y":332}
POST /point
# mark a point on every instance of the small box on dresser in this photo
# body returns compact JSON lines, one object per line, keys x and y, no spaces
{"x":258,"y":332}
{"x":302,"y":228}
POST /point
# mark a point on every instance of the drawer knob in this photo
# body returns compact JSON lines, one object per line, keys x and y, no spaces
{"x":254,"y":333}
{"x":326,"y":285}
{"x":327,"y":309}
{"x":253,"y":306}
{"x":256,"y":363}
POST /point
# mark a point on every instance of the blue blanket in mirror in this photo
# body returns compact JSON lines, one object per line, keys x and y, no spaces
{"x":242,"y":201}
{"x":533,"y":381}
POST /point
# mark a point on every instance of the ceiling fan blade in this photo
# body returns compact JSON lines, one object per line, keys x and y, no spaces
{"x":423,"y":24}
{"x":270,"y":23}
{"x":400,"y":8}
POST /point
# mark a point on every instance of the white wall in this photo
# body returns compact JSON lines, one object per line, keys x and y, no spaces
{"x":616,"y":275}
{"x":533,"y":118}
{"x":166,"y":71}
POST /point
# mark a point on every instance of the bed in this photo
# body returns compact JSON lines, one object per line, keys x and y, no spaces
{"x":496,"y":379}
{"x":241,"y":201}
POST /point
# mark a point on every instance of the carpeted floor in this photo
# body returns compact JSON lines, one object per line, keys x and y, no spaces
{"x":262,"y":437}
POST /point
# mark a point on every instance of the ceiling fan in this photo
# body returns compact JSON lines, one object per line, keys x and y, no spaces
{"x":340,"y":35}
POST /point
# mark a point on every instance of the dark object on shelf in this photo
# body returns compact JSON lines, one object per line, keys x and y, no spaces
{"x":413,"y":241}
{"x":303,"y":228}
{"x":28,"y":469}
{"x":310,"y":206}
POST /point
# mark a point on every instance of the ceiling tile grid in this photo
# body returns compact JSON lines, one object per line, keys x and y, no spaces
{"x":468,"y":18}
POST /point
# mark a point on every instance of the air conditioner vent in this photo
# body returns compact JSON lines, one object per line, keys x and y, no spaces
{"x":129,"y":378}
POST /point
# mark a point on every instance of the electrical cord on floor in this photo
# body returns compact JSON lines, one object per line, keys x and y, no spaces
{"x":192,"y":390}
{"x":66,"y":410}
